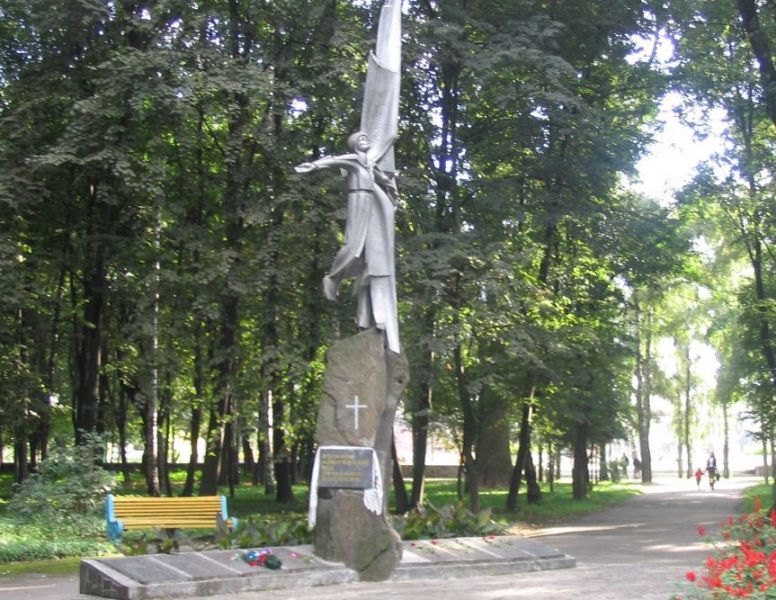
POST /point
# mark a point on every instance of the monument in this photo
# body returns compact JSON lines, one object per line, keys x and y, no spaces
{"x":365,"y":376}
{"x":366,"y":372}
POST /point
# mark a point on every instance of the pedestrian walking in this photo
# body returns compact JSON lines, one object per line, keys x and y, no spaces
{"x":698,"y":477}
{"x":711,"y":469}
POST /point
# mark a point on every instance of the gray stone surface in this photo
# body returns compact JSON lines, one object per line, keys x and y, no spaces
{"x":148,"y":569}
{"x":359,"y":371}
{"x":349,"y":533}
{"x":201,"y":574}
{"x":355,"y":367}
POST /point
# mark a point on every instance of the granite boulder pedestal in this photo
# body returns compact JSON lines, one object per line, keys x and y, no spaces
{"x":361,"y":389}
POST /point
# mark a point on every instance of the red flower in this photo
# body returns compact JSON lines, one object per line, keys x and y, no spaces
{"x":701,"y":530}
{"x":691,"y":576}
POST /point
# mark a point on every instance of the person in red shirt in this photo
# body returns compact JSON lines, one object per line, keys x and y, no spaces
{"x":698,"y":477}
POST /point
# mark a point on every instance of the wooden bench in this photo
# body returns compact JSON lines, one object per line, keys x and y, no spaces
{"x":147,"y":512}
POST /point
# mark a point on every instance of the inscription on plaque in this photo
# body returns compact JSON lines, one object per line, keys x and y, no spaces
{"x":349,"y":468}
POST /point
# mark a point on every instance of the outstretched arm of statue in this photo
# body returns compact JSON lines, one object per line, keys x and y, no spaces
{"x":344,"y":161}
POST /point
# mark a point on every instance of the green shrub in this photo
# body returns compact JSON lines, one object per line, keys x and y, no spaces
{"x":280,"y":530}
{"x":283,"y":530}
{"x":68,"y":485}
{"x":452,"y":520}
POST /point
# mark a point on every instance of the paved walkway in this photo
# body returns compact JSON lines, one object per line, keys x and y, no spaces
{"x":640,"y":549}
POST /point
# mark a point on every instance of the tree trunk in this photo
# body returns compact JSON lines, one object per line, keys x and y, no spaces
{"x":264,"y":469}
{"x":643,"y":335}
{"x":249,"y":463}
{"x":284,"y":469}
{"x":236,"y":178}
{"x":758,"y":40}
{"x":420,"y":423}
{"x":725,"y":442}
{"x":603,"y":464}
{"x":121,"y":417}
{"x":469,"y":432}
{"x":211,"y":470}
{"x":399,"y":489}
{"x":150,"y":453}
{"x":232,"y":454}
{"x":220,"y":414}
{"x":163,"y":444}
{"x":580,"y":476}
{"x":688,"y":410}
{"x":494,"y":463}
{"x":21,"y":470}
{"x":196,"y":411}
{"x":550,"y":467}
{"x":524,"y":441}
{"x":421,"y":418}
{"x":90,"y":330}
{"x":680,"y":451}
{"x":533,"y":490}
{"x":773,"y":469}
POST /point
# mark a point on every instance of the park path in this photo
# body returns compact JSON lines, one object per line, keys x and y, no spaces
{"x":640,"y":549}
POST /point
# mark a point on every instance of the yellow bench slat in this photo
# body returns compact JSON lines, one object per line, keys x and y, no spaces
{"x":191,"y":512}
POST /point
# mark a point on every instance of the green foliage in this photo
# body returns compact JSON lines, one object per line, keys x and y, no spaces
{"x":451,"y":520}
{"x":162,"y":542}
{"x":284,"y":529}
{"x":68,"y":486}
{"x":21,"y":540}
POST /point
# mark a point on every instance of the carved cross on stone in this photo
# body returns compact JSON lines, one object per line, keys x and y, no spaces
{"x":356,"y":407}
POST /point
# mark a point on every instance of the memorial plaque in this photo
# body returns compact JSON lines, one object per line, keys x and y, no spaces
{"x":347,"y":468}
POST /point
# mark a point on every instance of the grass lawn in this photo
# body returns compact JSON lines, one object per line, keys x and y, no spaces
{"x":762,"y":491}
{"x":554,"y":506}
{"x":62,"y":566}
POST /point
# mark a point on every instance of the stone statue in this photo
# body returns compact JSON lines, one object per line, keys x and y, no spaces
{"x":368,"y":251}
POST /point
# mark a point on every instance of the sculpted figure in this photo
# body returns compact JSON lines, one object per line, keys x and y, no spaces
{"x":368,"y":251}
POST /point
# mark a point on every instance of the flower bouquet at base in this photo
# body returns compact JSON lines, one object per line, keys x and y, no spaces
{"x":262,"y":558}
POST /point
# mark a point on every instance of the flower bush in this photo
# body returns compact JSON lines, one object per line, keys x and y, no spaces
{"x":744,"y":562}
